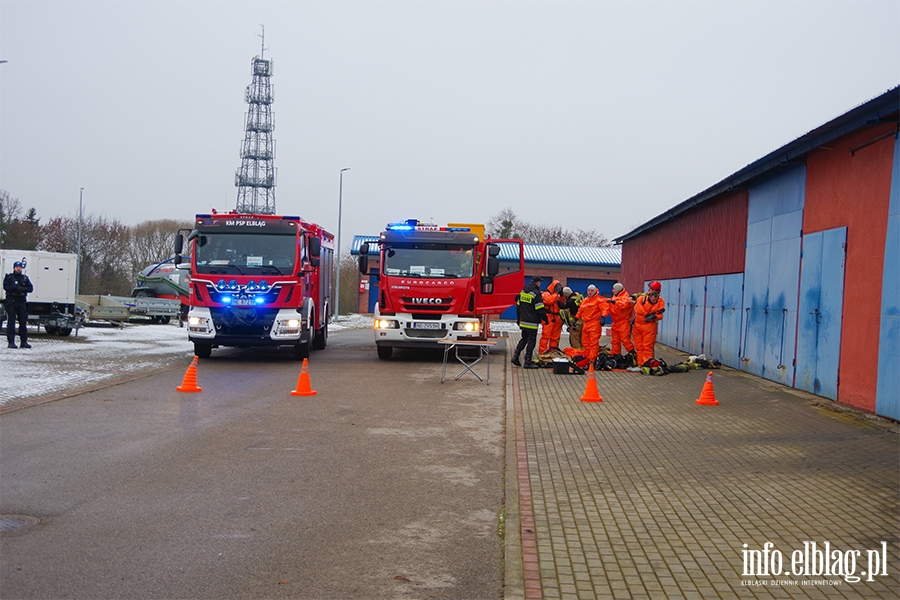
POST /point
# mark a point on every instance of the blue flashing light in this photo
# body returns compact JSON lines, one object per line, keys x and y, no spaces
{"x":251,"y":286}
{"x":263,"y":285}
{"x":259,"y":299}
{"x":233,"y":285}
{"x":400,"y":227}
{"x":226,"y":299}
{"x":221,"y":285}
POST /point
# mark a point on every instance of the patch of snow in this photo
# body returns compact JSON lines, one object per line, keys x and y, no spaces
{"x":56,"y":365}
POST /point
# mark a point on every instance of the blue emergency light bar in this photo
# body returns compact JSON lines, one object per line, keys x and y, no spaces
{"x":415,"y":225}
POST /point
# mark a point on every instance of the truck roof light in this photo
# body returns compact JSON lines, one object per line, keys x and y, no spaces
{"x":415,"y":225}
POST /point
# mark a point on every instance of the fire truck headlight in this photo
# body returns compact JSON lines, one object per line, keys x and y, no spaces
{"x":467,"y":326}
{"x":195,"y":320}
{"x":292,"y":323}
{"x":386,"y":324}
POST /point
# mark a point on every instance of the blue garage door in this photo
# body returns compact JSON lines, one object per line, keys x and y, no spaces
{"x":669,"y":330}
{"x":821,"y":306}
{"x":690,"y":314}
{"x":604,"y":286}
{"x":374,"y":278}
{"x":771,"y":276}
{"x":722,"y":335}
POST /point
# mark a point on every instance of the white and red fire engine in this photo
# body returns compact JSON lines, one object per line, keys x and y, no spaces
{"x":258,"y":280}
{"x":440,"y":283}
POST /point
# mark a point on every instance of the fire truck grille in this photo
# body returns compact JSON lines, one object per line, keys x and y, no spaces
{"x":430,"y":334}
{"x":426,"y":308}
{"x":243,"y":321}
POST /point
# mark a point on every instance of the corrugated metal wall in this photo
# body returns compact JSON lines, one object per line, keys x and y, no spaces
{"x":706,"y":241}
{"x":888,"y":398}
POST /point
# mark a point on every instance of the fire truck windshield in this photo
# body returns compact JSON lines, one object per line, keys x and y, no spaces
{"x":246,"y":253}
{"x":428,"y":260}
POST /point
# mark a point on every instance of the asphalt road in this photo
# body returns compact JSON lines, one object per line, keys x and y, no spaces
{"x":386,"y":484}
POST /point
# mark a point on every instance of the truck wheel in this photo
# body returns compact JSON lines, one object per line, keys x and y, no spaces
{"x":51,"y":329}
{"x":321,"y":338}
{"x":202,"y":350}
{"x":165,"y":319}
{"x":63,"y":331}
{"x":385,"y":352}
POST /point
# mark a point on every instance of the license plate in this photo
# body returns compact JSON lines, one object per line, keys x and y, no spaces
{"x":243,"y":301}
{"x":426,"y":325}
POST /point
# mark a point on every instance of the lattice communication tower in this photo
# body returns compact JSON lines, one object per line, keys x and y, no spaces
{"x":255,"y":179}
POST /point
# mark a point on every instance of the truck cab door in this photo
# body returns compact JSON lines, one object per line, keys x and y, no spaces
{"x":498,"y":292}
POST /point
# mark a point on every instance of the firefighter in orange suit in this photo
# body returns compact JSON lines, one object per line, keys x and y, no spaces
{"x":592,"y":311}
{"x":552,"y":329}
{"x":648,"y":310}
{"x":621,"y":307}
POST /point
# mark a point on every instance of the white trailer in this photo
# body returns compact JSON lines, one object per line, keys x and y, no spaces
{"x":52,"y":304}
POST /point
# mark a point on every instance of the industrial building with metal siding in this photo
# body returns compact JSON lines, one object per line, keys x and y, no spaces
{"x":789,"y":269}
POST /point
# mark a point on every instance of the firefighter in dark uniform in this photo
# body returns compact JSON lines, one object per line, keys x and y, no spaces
{"x":530,"y":313}
{"x":17,"y":286}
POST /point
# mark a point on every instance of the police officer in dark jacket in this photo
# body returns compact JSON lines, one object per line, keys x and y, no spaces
{"x":17,"y":286}
{"x":530,"y":313}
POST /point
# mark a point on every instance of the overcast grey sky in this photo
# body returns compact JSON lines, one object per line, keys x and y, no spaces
{"x":593,"y":114}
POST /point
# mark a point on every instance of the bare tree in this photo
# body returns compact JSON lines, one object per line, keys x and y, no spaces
{"x":104,"y":246}
{"x":152,"y":242}
{"x":16,"y":231}
{"x":506,"y":224}
{"x":349,"y":274}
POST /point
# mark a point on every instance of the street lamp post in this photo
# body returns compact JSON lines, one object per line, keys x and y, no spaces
{"x":78,"y":244}
{"x":337,"y":293}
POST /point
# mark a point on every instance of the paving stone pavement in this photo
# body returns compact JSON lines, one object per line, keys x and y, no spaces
{"x":650,"y":495}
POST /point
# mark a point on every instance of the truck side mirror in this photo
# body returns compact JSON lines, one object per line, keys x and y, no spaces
{"x":315,"y":248}
{"x":493,"y":250}
{"x":493,"y":266}
{"x":364,"y":258}
{"x":179,"y":247}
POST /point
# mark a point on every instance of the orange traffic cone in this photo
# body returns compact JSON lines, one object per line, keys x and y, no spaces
{"x":189,"y":383}
{"x":707,"y":395}
{"x":303,"y":386}
{"x":591,"y":394}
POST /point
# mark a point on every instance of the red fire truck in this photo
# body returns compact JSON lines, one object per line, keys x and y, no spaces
{"x":440,"y":283}
{"x":258,"y":280}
